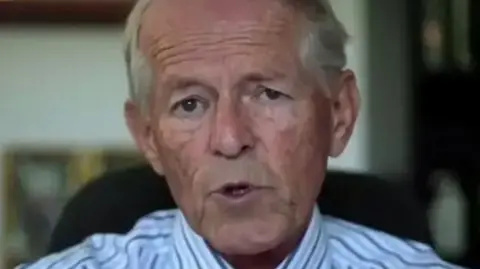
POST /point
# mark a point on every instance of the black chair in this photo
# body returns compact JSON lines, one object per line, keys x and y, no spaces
{"x":116,"y":200}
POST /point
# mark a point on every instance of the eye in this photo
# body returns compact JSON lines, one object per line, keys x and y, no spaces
{"x":269,"y":95}
{"x":191,"y":107}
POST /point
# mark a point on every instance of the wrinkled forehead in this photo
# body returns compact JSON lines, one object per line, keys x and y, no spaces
{"x":214,"y":10}
{"x":179,"y":18}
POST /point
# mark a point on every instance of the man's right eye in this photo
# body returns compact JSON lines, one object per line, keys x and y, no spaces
{"x":191,"y":107}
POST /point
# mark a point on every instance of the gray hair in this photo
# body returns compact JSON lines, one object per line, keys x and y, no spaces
{"x":323,"y":47}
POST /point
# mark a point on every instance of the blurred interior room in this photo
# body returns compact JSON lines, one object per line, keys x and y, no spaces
{"x":63,"y":84}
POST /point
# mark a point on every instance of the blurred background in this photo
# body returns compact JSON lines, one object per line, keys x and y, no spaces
{"x":63,"y":84}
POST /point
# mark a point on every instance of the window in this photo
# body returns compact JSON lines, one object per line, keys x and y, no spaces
{"x":434,"y":34}
{"x":446,"y":35}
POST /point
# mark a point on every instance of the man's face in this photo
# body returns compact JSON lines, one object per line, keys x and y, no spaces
{"x":240,"y":128}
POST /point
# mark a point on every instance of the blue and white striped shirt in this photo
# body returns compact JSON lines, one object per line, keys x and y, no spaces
{"x":164,"y":240}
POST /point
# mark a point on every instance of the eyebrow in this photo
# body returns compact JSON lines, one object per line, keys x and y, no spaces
{"x":183,"y":82}
{"x":176,"y":82}
{"x":259,"y":77}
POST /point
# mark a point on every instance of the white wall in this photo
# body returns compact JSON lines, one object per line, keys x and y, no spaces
{"x":61,"y":86}
{"x":67,"y":86}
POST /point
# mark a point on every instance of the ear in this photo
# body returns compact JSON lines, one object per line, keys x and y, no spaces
{"x":143,"y":134}
{"x":345,"y":108}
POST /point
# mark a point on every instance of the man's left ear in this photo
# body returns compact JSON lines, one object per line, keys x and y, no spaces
{"x":345,"y":108}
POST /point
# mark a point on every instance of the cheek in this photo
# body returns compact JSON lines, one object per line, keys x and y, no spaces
{"x":296,"y":144}
{"x":180,"y":151}
{"x":286,"y":131}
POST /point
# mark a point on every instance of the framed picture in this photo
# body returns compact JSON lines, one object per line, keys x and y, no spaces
{"x":92,"y":162}
{"x":37,"y":185}
{"x":38,"y":182}
{"x":65,"y":11}
{"x":117,"y":159}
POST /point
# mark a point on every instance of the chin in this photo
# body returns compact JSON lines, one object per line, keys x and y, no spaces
{"x":249,"y":237}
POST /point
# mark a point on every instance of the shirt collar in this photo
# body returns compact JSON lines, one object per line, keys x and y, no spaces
{"x":193,"y":252}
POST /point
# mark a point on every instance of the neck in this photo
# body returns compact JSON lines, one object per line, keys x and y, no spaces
{"x":270,"y":259}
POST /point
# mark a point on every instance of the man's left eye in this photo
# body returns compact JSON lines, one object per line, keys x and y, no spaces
{"x":267,"y":94}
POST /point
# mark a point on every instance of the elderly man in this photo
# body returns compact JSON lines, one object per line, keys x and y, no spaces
{"x":240,"y":104}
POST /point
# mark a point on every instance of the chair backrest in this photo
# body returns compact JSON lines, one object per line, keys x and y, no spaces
{"x":116,"y":200}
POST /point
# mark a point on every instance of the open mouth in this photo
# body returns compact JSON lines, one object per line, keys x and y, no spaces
{"x":236,"y":190}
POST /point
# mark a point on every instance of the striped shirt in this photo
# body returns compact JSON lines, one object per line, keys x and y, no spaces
{"x":164,"y":240}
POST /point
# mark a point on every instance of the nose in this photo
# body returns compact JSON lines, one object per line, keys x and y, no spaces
{"x":230,"y":136}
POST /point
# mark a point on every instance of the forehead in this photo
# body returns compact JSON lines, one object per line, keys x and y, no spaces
{"x":178,"y":14}
{"x":170,"y":25}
